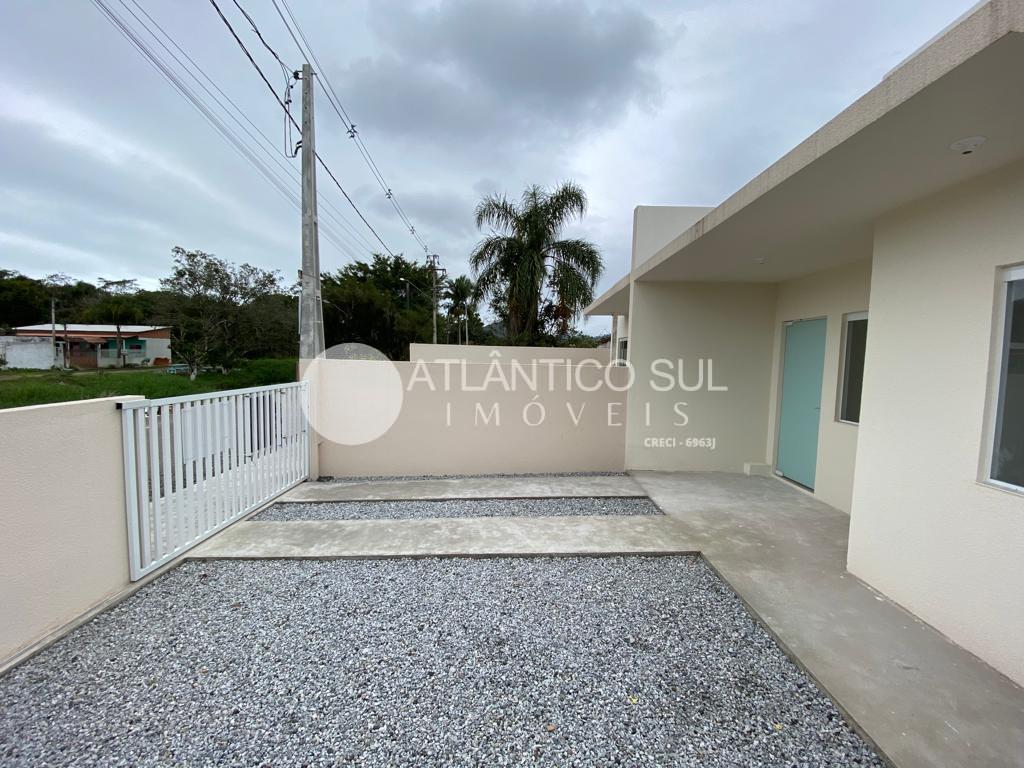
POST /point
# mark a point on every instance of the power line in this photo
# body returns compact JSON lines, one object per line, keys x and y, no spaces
{"x":332,"y":210}
{"x":284,"y":106}
{"x":332,"y":97}
{"x":284,"y":67}
{"x":196,"y":101}
{"x":167,"y":72}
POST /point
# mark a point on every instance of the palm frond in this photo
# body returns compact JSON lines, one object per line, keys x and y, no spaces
{"x":565,"y":204}
{"x":497,"y":212}
{"x":581,"y":255}
{"x":523,"y":260}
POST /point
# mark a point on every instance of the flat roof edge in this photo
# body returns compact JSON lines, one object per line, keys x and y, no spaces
{"x":621,"y":284}
{"x":979,"y":28}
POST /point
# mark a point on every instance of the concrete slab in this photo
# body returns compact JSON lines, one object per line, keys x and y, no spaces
{"x":921,"y":699}
{"x":448,"y":537}
{"x":467,"y":488}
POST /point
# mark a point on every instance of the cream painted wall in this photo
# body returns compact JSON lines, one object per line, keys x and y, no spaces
{"x":62,"y":513}
{"x":924,"y":531}
{"x":732,"y":325}
{"x":655,"y":226}
{"x":479,"y":353}
{"x":451,"y":429}
{"x":830,"y":294}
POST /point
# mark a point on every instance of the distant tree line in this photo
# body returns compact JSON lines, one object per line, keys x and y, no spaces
{"x":219,"y":313}
{"x":537,"y":284}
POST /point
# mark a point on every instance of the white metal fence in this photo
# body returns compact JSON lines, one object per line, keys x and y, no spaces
{"x":195,"y":464}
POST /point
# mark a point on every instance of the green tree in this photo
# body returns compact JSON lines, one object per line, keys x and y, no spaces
{"x":384,"y":303}
{"x":207,"y":303}
{"x":23,"y":300}
{"x":460,"y":296}
{"x":523,"y":263}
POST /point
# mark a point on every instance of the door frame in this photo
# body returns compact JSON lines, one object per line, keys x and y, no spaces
{"x":778,"y":398}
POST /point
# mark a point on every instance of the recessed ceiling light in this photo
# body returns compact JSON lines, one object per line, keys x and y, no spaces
{"x":968,"y":145}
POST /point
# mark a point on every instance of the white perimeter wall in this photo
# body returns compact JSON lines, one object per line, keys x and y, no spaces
{"x":730,"y":324}
{"x":830,"y":294}
{"x":479,"y":353}
{"x":158,"y":348}
{"x":62,"y":514}
{"x":453,"y":430}
{"x":25,"y":352}
{"x":924,"y":531}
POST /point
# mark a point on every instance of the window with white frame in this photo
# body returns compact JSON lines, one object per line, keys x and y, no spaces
{"x":855,"y":336}
{"x":1008,"y":450}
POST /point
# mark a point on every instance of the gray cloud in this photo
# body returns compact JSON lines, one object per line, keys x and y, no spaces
{"x":479,"y":71}
{"x":103,"y":168}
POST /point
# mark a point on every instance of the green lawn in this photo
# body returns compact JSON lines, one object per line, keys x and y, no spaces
{"x":35,"y":387}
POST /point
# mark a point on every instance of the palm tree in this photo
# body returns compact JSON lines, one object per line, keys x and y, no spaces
{"x":461,"y":296}
{"x":522,"y":258}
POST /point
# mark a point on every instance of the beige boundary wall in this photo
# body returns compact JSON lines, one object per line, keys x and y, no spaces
{"x":63,"y":517}
{"x":924,"y":530}
{"x":474,"y":424}
{"x":478,"y":353}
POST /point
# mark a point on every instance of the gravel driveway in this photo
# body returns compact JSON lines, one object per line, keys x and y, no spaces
{"x":564,"y":661}
{"x":419,"y":509}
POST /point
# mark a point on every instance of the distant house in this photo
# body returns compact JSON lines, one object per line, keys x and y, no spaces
{"x":95,"y":346}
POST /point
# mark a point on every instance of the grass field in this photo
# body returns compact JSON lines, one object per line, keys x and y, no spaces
{"x":34,"y":387}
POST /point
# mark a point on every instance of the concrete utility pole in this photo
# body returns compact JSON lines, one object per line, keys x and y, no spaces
{"x":436,"y":272}
{"x":311,"y":312}
{"x":53,"y":329}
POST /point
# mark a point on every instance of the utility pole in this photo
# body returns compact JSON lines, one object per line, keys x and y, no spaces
{"x":436,"y":271}
{"x":311,"y":312}
{"x":53,"y":329}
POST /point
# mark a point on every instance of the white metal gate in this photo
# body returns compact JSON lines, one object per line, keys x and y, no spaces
{"x":195,"y":464}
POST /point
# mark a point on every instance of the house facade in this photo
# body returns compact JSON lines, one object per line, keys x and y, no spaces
{"x":852,"y":322}
{"x":96,"y":346}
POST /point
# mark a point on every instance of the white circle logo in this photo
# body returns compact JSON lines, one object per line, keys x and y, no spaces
{"x":356,"y":394}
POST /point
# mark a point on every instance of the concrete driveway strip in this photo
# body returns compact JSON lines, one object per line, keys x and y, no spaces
{"x":468,"y":488}
{"x":474,"y":537}
{"x":925,"y":702}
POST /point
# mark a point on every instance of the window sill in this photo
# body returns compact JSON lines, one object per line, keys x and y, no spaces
{"x":851,"y":423}
{"x":997,"y":485}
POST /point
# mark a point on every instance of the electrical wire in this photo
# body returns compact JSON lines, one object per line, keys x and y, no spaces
{"x":199,"y":105}
{"x":339,"y":109}
{"x":284,"y":106}
{"x":330,"y":209}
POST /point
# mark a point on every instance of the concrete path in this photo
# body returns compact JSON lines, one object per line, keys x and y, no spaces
{"x":481,"y":536}
{"x":468,"y":488}
{"x":923,"y":700}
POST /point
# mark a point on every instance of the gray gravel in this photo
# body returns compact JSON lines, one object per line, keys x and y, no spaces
{"x":377,"y":478}
{"x":494,"y":662}
{"x":419,"y":509}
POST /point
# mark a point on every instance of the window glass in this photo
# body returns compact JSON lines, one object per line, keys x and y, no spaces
{"x":853,"y":368}
{"x":1008,"y":457}
{"x":623,"y":348}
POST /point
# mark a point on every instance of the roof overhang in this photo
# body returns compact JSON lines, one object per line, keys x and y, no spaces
{"x":614,"y":301}
{"x":816,"y":207}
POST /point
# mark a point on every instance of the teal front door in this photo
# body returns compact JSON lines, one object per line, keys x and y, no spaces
{"x":802,"y":367}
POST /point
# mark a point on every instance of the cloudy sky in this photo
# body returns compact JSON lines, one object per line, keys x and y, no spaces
{"x":104,"y":166}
